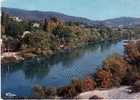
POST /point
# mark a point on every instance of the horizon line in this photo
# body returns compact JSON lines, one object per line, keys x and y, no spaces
{"x":44,"y":11}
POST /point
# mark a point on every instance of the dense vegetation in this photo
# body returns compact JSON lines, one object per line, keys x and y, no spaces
{"x":53,"y":35}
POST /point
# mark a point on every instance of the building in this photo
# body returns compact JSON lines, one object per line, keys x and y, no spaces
{"x":36,"y":25}
{"x":14,"y":18}
{"x":24,"y":33}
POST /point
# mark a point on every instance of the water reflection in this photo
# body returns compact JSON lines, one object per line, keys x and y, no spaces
{"x":57,"y":70}
{"x":38,"y":67}
{"x":31,"y":69}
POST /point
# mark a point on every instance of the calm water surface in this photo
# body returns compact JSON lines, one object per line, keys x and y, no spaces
{"x":58,"y":70}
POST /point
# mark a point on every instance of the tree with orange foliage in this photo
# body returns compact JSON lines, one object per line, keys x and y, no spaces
{"x":132,"y":51}
{"x":104,"y":78}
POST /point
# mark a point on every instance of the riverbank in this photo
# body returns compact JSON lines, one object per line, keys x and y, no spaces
{"x":122,"y":92}
{"x":7,"y":57}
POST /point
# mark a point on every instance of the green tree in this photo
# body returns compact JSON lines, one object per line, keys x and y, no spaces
{"x":45,"y":25}
{"x":37,"y":40}
{"x":16,"y":29}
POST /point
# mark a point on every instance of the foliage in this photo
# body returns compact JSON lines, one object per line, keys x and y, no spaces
{"x":16,"y":29}
{"x":54,"y":34}
{"x":104,"y":78}
{"x":62,"y":32}
{"x":89,"y":84}
{"x":132,"y":51}
{"x":116,"y":67}
{"x":49,"y":25}
{"x":37,"y":40}
{"x":72,"y":90}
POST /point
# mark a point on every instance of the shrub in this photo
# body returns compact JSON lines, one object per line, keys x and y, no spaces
{"x":104,"y":78}
{"x":67,"y":92}
{"x":43,"y":92}
{"x":38,"y":92}
{"x":132,"y":50}
{"x":70,"y":91}
{"x":133,"y":74}
{"x":76,"y":87}
{"x":88,"y":84}
{"x":136,"y":87}
{"x":117,"y":66}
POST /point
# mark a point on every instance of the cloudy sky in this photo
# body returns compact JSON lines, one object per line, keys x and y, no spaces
{"x":92,"y":9}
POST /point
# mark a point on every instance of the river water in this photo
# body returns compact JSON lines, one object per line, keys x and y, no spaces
{"x":57,"y":70}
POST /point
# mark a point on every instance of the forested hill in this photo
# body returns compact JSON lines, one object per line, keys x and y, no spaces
{"x":123,"y":21}
{"x":40,"y":15}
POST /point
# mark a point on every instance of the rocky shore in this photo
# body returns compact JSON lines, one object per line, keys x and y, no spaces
{"x":122,"y":92}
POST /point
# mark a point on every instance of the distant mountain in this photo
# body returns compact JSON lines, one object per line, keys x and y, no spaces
{"x":40,"y":15}
{"x":122,"y":22}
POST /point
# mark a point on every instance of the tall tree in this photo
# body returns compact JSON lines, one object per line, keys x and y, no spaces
{"x":45,"y":25}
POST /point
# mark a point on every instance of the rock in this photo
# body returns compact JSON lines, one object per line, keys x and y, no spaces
{"x":112,"y":93}
{"x":136,"y":87}
{"x":137,"y":83}
{"x":95,"y":97}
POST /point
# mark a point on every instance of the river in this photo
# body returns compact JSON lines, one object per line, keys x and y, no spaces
{"x":57,"y":70}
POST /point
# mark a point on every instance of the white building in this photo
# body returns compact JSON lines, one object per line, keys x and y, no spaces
{"x":36,"y":25}
{"x":24,"y":33}
{"x":16,"y":19}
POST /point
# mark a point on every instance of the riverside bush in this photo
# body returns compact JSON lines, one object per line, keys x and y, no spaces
{"x":132,"y":51}
{"x":118,"y":68}
{"x":104,"y":78}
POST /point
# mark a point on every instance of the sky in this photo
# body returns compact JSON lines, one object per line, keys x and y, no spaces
{"x":92,"y":9}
